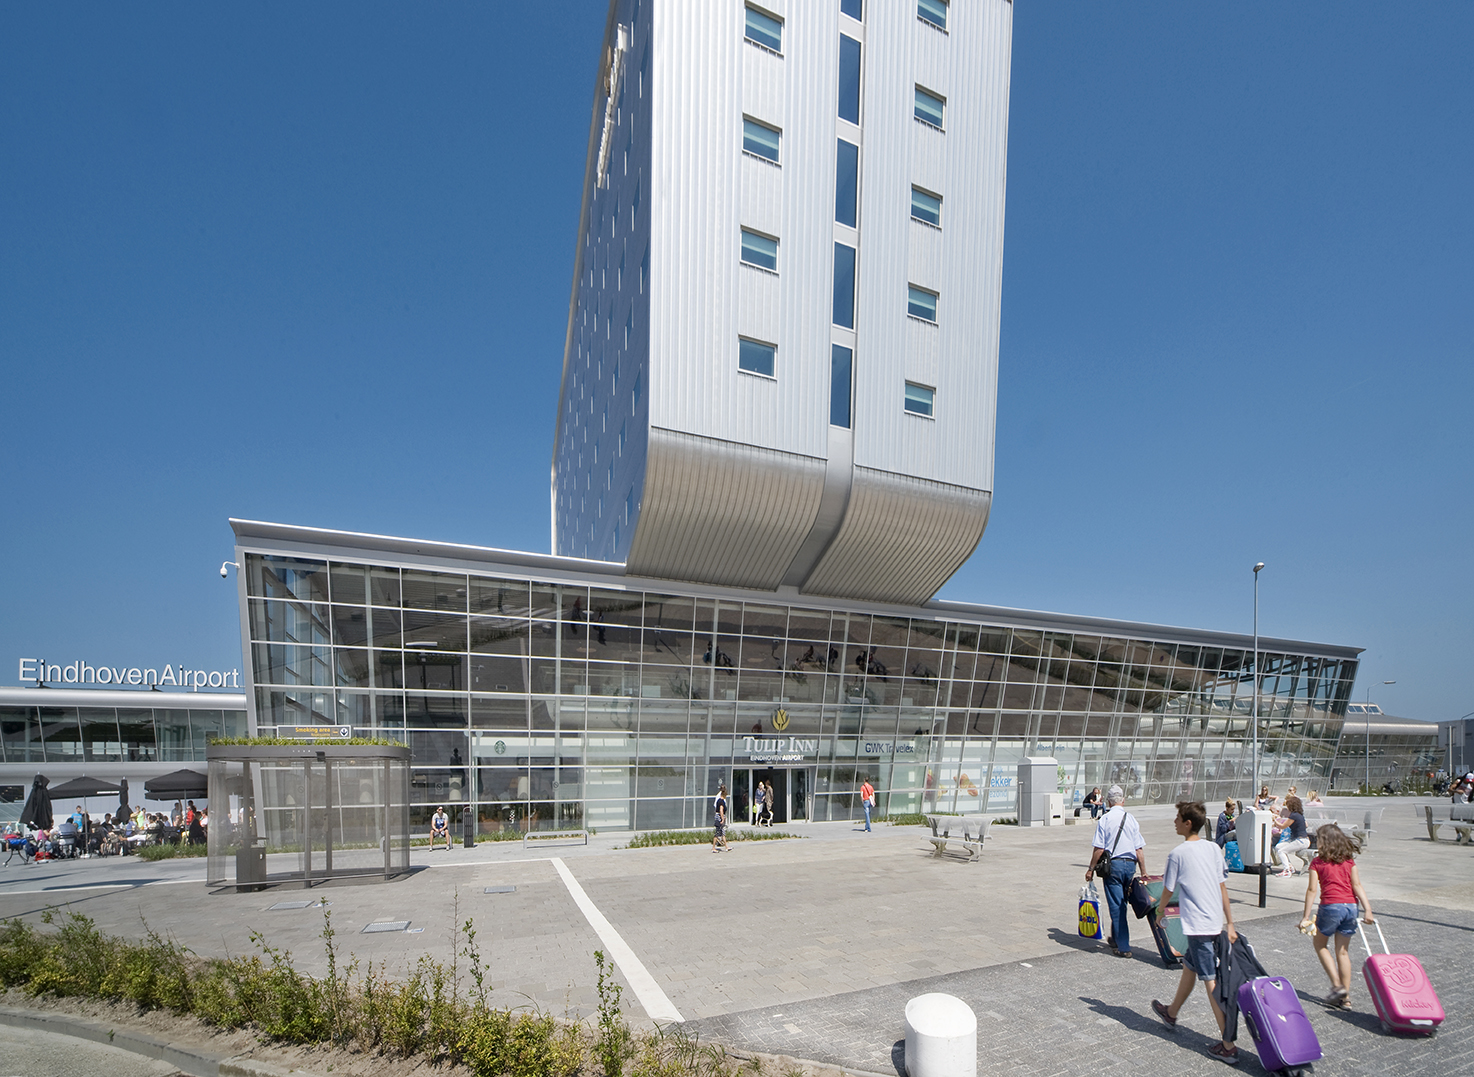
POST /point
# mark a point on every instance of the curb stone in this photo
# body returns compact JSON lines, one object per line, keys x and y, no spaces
{"x":195,"y":1063}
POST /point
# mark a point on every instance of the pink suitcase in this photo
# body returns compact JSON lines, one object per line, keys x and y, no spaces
{"x":1405,"y":1000}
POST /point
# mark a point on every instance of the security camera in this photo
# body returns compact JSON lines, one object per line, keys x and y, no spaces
{"x":224,"y":574}
{"x":225,"y":569}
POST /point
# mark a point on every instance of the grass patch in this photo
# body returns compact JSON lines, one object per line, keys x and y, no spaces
{"x":169,"y":852}
{"x":702,"y":837}
{"x":907,"y":818}
{"x":436,"y":1013}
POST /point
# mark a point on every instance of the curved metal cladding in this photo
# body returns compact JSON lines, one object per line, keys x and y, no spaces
{"x":723,"y":512}
{"x":901,"y":538}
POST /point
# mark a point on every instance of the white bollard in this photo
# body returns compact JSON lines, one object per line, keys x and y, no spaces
{"x":941,"y":1037}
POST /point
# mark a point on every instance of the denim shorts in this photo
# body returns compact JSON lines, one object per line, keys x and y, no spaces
{"x":1336,"y":920}
{"x":1201,"y":956}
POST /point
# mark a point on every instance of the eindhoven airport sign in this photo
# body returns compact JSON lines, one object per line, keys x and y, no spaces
{"x":40,"y":671}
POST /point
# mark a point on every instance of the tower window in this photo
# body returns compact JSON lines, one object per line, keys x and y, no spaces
{"x":930,"y":108}
{"x":755,"y":357}
{"x":933,"y":11}
{"x":759,"y":250}
{"x":919,"y":399}
{"x":926,"y":207}
{"x":764,"y":30}
{"x":921,"y":303}
{"x":760,"y":139}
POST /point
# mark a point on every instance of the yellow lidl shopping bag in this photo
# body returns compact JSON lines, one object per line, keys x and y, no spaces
{"x":1089,"y":912}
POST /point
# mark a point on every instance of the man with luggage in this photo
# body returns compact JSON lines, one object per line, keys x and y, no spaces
{"x":1197,"y":875}
{"x":1118,"y":842}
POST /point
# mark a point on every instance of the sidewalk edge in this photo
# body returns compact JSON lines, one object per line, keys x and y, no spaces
{"x":195,"y":1063}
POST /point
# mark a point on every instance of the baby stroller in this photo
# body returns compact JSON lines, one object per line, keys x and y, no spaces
{"x":66,"y":841}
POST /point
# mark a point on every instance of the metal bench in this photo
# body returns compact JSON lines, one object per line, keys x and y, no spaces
{"x":1463,"y":828}
{"x":971,"y":831}
{"x":555,"y":837}
{"x":1363,"y":833}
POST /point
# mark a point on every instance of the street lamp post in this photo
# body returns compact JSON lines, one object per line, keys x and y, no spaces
{"x":1369,"y":736}
{"x":1254,"y":757}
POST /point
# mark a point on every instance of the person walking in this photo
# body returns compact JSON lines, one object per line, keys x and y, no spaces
{"x":759,"y":802}
{"x":1197,"y":875}
{"x":1334,"y":873}
{"x":719,"y":820}
{"x":867,"y":797}
{"x":769,"y":802}
{"x":1119,"y":844}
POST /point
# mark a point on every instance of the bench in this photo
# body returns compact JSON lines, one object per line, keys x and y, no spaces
{"x":1362,"y":834}
{"x":971,"y":830}
{"x":1463,"y":829}
{"x":555,"y":837}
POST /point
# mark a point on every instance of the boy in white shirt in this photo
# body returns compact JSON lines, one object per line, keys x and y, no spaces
{"x":1197,"y":873}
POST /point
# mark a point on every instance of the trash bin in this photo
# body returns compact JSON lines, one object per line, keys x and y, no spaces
{"x":468,"y":828}
{"x":250,"y":864}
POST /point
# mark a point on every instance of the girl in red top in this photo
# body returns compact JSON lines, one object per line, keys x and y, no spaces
{"x":1334,"y":871}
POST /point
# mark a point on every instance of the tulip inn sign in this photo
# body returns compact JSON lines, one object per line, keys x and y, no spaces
{"x":40,"y":671}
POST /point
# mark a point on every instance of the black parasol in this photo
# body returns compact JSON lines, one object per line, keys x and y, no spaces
{"x":83,"y":787}
{"x":177,"y":785}
{"x":37,"y":811}
{"x":123,"y":804}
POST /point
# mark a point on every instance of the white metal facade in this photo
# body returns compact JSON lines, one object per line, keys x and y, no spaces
{"x":688,"y":467}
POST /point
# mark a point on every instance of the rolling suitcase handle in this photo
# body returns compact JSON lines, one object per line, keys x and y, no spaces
{"x":1368,"y":942}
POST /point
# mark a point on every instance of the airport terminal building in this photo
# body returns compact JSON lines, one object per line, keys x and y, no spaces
{"x":563,"y":692}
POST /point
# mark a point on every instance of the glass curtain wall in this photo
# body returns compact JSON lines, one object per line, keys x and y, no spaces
{"x":552,"y":705}
{"x":113,"y":734}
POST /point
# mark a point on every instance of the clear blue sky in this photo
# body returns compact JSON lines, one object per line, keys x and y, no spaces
{"x":310,"y":263}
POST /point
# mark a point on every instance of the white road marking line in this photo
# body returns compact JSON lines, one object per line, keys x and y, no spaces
{"x":657,"y":1005}
{"x":63,"y":887}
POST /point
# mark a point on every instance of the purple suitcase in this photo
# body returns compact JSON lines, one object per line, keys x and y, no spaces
{"x":1282,"y":1033}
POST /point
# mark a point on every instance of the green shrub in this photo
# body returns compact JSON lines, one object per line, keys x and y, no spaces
{"x":909,"y":818}
{"x":702,"y":837}
{"x":21,"y":953}
{"x":169,"y":852}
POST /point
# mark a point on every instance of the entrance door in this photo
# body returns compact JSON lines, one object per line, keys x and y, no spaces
{"x":791,"y":787}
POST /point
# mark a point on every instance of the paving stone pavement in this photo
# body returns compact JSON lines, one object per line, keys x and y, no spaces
{"x":775,"y":925}
{"x":1087,"y":1011}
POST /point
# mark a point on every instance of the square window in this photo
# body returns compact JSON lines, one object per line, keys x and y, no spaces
{"x":760,"y":139}
{"x":759,"y":250}
{"x":756,"y":357}
{"x":921,"y":304}
{"x":919,"y":399}
{"x":930,"y":108}
{"x":926,"y":207}
{"x":933,"y":11}
{"x":764,"y":30}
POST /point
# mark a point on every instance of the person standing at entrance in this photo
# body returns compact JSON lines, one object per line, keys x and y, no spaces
{"x":769,"y":802}
{"x":867,"y":797}
{"x":759,"y":804}
{"x":1118,"y":837}
{"x":719,"y":821}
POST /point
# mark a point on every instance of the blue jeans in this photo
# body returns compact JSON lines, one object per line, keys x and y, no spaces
{"x":1116,"y":889}
{"x":867,"y":815}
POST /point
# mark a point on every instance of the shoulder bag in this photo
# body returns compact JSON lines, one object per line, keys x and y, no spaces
{"x":1103,"y":862}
